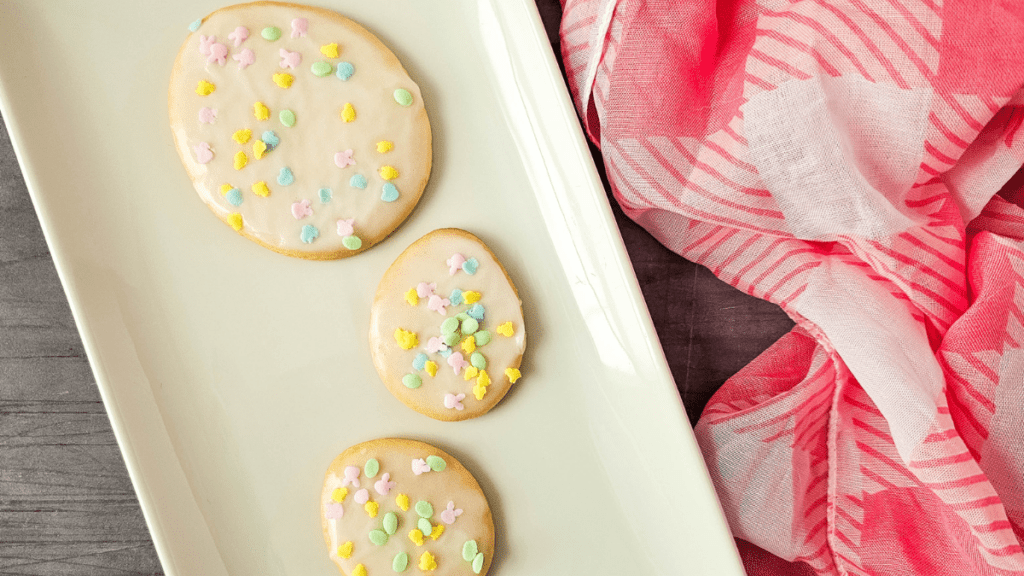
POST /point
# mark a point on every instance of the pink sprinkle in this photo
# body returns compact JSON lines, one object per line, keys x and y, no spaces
{"x":451,"y":513}
{"x":203,"y":152}
{"x":289,"y":59}
{"x":351,"y":476}
{"x":454,"y":401}
{"x":424,"y":290}
{"x":346,"y":227}
{"x":457,"y":362}
{"x":343,"y":159}
{"x":301,"y":209}
{"x":207,"y":115}
{"x":244,"y":58}
{"x":362,"y":496}
{"x":239,"y":35}
{"x":218,"y":53}
{"x":334,"y":511}
{"x":384,"y":485}
{"x":435,"y":344}
{"x":437,"y":304}
{"x":455,"y":263}
{"x":299,"y":27}
{"x":419,"y":466}
{"x":204,"y":44}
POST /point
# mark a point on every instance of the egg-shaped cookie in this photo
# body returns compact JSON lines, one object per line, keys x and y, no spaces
{"x":446,"y":328}
{"x":299,"y":128}
{"x":393,"y":505}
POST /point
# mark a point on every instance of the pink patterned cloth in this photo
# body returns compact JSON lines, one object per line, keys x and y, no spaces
{"x":851,"y":161}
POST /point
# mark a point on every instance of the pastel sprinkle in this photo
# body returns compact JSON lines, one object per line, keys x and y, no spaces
{"x":420,"y":466}
{"x":259,"y":148}
{"x":359,"y":570}
{"x":461,"y":316}
{"x":208,"y":115}
{"x":506,"y":329}
{"x":483,"y":379}
{"x":301,"y":209}
{"x":469,"y":345}
{"x":345,"y":550}
{"x":424,"y":509}
{"x":383,"y":486}
{"x":352,"y":242}
{"x":308,"y":234}
{"x":235,"y":221}
{"x":242,"y":136}
{"x":348,"y":113}
{"x":321,"y":68}
{"x":245,"y":58}
{"x":420,"y":361}
{"x":357,"y":181}
{"x":371,"y":468}
{"x":411,"y":297}
{"x":283,"y":80}
{"x":400,"y":563}
{"x":449,"y":326}
{"x":436,"y":463}
{"x":234,"y":197}
{"x":412,"y":381}
{"x":427,"y":562}
{"x":417,"y":537}
{"x":402,"y":501}
{"x":478,"y":360}
{"x":299,"y":27}
{"x":271,"y":33}
{"x":405,"y":339}
{"x":435,"y":344}
{"x":205,"y":88}
{"x":338,"y":495}
{"x":385,"y":146}
{"x":285,"y":177}
{"x":371,"y":508}
{"x":329,"y":50}
{"x":241,"y":34}
{"x":477,"y":311}
{"x":343,"y":159}
{"x":482,"y":337}
{"x":389,"y":193}
{"x":195,"y":25}
{"x":225,"y":188}
{"x":424,"y":290}
{"x":391,"y":523}
{"x":260,"y":189}
{"x":271,"y":139}
{"x":472,"y":297}
{"x":287,"y":117}
{"x":455,"y":264}
{"x":325,"y":195}
{"x":456,"y":297}
{"x":478,"y":563}
{"x":260,"y":111}
{"x":346,"y":226}
{"x":240,"y":160}
{"x":345,"y":70}
{"x":403,"y":97}
{"x":454,"y":401}
{"x":378,"y":537}
{"x":450,"y":340}
{"x":352,"y":476}
{"x":470,"y":373}
{"x":388,"y":172}
{"x":424,"y":526}
{"x":470,"y":266}
{"x":289,"y":59}
{"x":469,"y":550}
{"x":479,"y":391}
{"x":513,"y":374}
{"x":431,"y":368}
{"x":436,"y":532}
{"x":470,"y":325}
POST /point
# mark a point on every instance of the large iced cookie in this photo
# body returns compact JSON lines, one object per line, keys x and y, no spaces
{"x":394,"y":505}
{"x":298,"y":128}
{"x":446,"y":328}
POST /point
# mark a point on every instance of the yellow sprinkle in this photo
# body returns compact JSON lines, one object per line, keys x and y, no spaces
{"x":471,"y":373}
{"x":283,"y":80}
{"x":241,"y":160}
{"x":411,"y":297}
{"x":371,"y":508}
{"x":513,"y":374}
{"x":259,"y":148}
{"x":205,"y":88}
{"x":235,"y":221}
{"x":260,"y":111}
{"x":359,"y":570}
{"x":407,"y":340}
{"x":479,"y":391}
{"x":416,"y":536}
{"x":225,"y":188}
{"x":388,"y":172}
{"x":471,"y":297}
{"x":242,"y":136}
{"x":469,"y":345}
{"x":483,"y":379}
{"x":427,"y":561}
{"x":436,"y":532}
{"x":506,"y":329}
{"x":260,"y":189}
{"x":329,"y":50}
{"x":385,"y":146}
{"x":431,"y":368}
{"x":348,"y":113}
{"x":345,"y":550}
{"x":403,"y":502}
{"x":338,"y":495}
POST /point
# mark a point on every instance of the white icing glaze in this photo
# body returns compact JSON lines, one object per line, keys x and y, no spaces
{"x":425,"y":261}
{"x":308,"y":147}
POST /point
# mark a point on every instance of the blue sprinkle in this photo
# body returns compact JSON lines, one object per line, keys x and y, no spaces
{"x":234,"y":197}
{"x":325,"y":195}
{"x":456,"y":297}
{"x":309,"y":233}
{"x":470,"y":266}
{"x":419,"y":361}
{"x":388,"y":192}
{"x":271,"y":139}
{"x":195,"y":25}
{"x":477,"y":312}
{"x":345,"y":70}
{"x":357,"y":181}
{"x":285,"y":178}
{"x":446,"y":352}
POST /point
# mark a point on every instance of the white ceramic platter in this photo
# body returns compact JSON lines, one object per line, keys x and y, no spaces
{"x":233,"y":375}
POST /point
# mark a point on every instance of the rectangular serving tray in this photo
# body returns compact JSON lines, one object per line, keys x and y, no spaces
{"x":233,"y":375}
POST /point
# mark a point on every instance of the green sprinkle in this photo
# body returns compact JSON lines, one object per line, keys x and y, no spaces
{"x":461,"y":316}
{"x":478,"y":563}
{"x":271,"y":33}
{"x":391,"y":522}
{"x":470,"y":325}
{"x":378,"y":537}
{"x":403,"y":97}
{"x":478,"y":361}
{"x":321,"y":68}
{"x":482,"y":337}
{"x":424,"y":509}
{"x":352,"y":242}
{"x":450,"y":339}
{"x":287,"y":117}
{"x":424,"y":525}
{"x":436,"y":463}
{"x":400,"y":563}
{"x":449,"y":326}
{"x":469,"y":550}
{"x":371,"y":468}
{"x":412,"y":381}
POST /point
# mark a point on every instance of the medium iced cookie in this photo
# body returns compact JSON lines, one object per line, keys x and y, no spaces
{"x":446,"y":328}
{"x":298,"y":128}
{"x":392,"y":505}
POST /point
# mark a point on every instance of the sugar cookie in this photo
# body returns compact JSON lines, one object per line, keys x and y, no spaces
{"x":299,"y":128}
{"x":394,"y":505}
{"x":446,"y":328}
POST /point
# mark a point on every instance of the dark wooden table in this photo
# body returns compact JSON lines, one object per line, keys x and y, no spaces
{"x":66,"y":504}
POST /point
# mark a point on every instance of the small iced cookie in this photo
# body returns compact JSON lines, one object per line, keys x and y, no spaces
{"x":446,"y":328}
{"x":299,"y":128}
{"x":392,"y":505}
